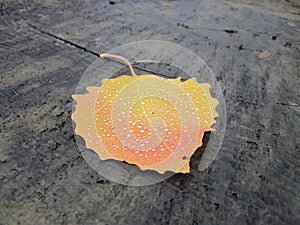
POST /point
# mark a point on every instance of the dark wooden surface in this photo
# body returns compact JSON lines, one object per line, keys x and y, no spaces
{"x":255,"y":178}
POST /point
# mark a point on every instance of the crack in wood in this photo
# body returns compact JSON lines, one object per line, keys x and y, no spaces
{"x":287,"y":104}
{"x":62,"y":39}
{"x":88,"y":50}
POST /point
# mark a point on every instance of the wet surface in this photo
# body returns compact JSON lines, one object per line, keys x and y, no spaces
{"x":45,"y":180}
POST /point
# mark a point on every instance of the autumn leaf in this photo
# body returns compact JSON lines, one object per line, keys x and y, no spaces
{"x":152,"y":122}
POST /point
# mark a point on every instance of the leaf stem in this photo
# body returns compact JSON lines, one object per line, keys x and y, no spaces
{"x":121,"y":58}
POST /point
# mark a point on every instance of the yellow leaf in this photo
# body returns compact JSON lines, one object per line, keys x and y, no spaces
{"x":146,"y":120}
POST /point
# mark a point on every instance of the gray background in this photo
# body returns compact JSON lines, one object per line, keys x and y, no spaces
{"x":255,"y":178}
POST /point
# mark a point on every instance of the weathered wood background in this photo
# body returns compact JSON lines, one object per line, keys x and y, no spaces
{"x":255,"y":178}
